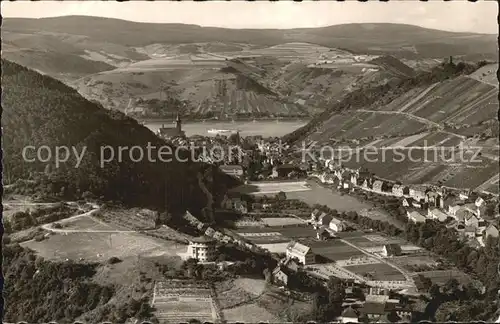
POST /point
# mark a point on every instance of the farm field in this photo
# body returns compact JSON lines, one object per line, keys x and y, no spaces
{"x":90,"y":223}
{"x":249,"y":313}
{"x":230,"y":295}
{"x":177,"y":300}
{"x":100,"y":246}
{"x":441,"y":276}
{"x":335,"y":250}
{"x":184,"y":309}
{"x":334,"y":200}
{"x":275,"y":247}
{"x":281,"y":221}
{"x":253,"y":286}
{"x":379,"y":271}
{"x":281,"y":305}
{"x":288,"y":232}
{"x":410,"y":262}
{"x":373,"y":241}
{"x":275,"y":187}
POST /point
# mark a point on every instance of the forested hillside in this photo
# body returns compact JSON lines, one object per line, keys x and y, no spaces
{"x":40,"y":111}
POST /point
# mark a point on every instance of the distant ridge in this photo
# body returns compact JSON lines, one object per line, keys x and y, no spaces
{"x":385,"y":37}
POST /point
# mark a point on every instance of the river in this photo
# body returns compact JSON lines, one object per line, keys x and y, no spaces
{"x":247,"y":128}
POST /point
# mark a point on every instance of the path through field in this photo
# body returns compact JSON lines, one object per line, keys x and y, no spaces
{"x":405,"y":273}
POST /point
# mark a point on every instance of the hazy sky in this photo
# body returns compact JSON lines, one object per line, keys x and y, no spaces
{"x":456,"y":15}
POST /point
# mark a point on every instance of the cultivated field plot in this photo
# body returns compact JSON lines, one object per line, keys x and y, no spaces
{"x":441,"y":276}
{"x":281,"y":221}
{"x":411,"y":262}
{"x":473,"y":175}
{"x":332,"y":199}
{"x":249,"y":313}
{"x":437,"y":139}
{"x":176,"y":301}
{"x":365,"y":243}
{"x":88,"y":223}
{"x":275,"y":247}
{"x":177,"y":310}
{"x":230,"y":295}
{"x":463,"y":100}
{"x":279,"y":304}
{"x":253,"y":286}
{"x":276,"y":234}
{"x":100,"y":246}
{"x":128,"y":218}
{"x":261,"y":237}
{"x":378,"y":271}
{"x":335,"y":250}
{"x":238,"y":292}
{"x":275,"y":187}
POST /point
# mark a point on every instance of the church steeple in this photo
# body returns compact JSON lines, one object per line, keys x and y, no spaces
{"x":178,"y":123}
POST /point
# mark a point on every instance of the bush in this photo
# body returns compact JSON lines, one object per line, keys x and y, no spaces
{"x":114,"y":260}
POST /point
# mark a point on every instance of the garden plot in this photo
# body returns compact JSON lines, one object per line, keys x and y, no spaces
{"x":177,"y":301}
{"x":177,"y":310}
{"x":377,"y":271}
{"x":335,"y":250}
{"x":413,"y":263}
{"x":282,"y":221}
{"x":249,"y":313}
{"x":233,"y":296}
{"x":441,"y":276}
{"x":88,"y":223}
{"x":275,"y":247}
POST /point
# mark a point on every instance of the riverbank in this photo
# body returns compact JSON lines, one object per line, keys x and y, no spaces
{"x":319,"y":194}
{"x":268,"y":128}
{"x":212,"y":120}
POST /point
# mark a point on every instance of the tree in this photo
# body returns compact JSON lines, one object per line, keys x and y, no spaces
{"x":435,"y":291}
{"x":281,"y":196}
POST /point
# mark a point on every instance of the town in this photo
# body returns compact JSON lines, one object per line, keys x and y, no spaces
{"x":379,"y":276}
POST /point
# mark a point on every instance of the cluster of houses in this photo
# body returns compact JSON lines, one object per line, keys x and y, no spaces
{"x":212,"y":235}
{"x":466,"y":210}
{"x":325,"y":224}
{"x":361,"y":303}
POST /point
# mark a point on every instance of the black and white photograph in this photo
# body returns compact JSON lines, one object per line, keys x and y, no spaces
{"x":250,"y":162}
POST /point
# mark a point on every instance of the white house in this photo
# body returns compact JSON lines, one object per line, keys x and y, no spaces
{"x":337,"y":225}
{"x":490,"y":231}
{"x":390,"y":250}
{"x":436,"y":214}
{"x":302,"y":253}
{"x":314,"y":215}
{"x":415,"y":217}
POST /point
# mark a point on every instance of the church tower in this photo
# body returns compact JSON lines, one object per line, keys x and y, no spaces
{"x":178,"y":124}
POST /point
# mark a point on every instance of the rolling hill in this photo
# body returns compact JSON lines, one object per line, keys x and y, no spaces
{"x":199,"y":86}
{"x":364,"y":38}
{"x":153,"y":70}
{"x":39,"y":110}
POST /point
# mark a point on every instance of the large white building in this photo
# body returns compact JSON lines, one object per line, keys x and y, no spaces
{"x":201,"y":249}
{"x":300,"y":252}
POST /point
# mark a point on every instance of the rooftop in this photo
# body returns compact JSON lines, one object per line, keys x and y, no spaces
{"x":201,"y":239}
{"x":298,"y":247}
{"x":231,"y":167}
